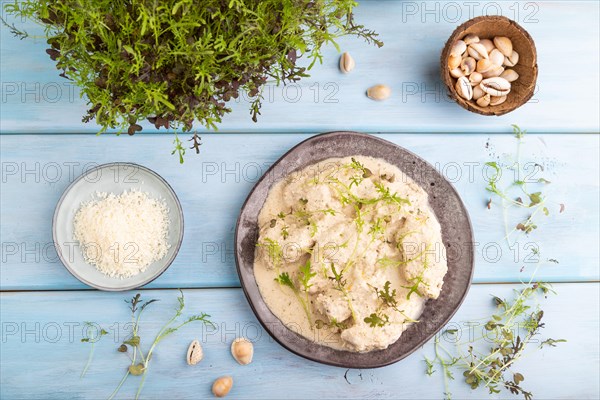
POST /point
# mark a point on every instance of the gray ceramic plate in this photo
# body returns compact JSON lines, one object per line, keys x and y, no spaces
{"x":447,"y":205}
{"x":115,"y":178}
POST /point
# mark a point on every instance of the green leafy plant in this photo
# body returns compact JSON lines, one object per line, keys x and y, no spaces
{"x":140,"y":362}
{"x":511,"y":329}
{"x":176,"y":61}
{"x":514,"y":324}
{"x":511,"y":194}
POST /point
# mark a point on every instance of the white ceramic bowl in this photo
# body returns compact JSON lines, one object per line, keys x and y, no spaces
{"x":115,"y":178}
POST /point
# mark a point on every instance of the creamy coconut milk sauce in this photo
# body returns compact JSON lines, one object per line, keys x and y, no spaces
{"x":349,"y":251}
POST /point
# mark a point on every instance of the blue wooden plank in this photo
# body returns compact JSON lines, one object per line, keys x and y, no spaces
{"x":42,"y":359}
{"x":35,"y":99}
{"x":212,"y":187}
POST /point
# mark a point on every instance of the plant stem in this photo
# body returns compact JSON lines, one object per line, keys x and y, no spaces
{"x":137,"y":394}
{"x":114,"y":393}
{"x":89,"y":361}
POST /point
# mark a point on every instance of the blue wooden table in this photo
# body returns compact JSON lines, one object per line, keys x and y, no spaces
{"x":44,"y":146}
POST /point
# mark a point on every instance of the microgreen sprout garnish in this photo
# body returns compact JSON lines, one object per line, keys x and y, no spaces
{"x":140,"y":363}
{"x":338,"y":279}
{"x":284,"y":232}
{"x":340,"y":284}
{"x":285,"y":280}
{"x":274,"y":252}
{"x":360,"y":172}
{"x":333,"y":323}
{"x":377,"y":320}
{"x":173,"y":63}
{"x":89,"y":338}
{"x":388,"y":197}
{"x":414,"y":287}
{"x":304,"y":276}
{"x":377,"y":228}
{"x":388,"y":299}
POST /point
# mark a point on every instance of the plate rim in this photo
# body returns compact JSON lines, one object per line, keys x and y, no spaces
{"x":152,"y":277}
{"x":258,"y":315}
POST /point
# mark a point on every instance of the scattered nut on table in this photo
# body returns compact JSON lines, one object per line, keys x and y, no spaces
{"x":379,"y":92}
{"x":242,"y":350}
{"x":347,"y":63}
{"x":195,"y":354}
{"x":482,"y":69}
{"x":222,"y":386}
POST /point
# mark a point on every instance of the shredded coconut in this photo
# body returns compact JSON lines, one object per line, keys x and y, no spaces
{"x":121,"y":235}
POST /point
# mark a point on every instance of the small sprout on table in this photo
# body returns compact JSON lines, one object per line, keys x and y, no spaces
{"x":91,"y":339}
{"x":510,"y":329}
{"x":139,"y":362}
{"x":526,"y":226}
{"x":551,"y":342}
{"x":429,"y":363}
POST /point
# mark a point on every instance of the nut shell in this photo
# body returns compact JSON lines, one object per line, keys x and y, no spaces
{"x":478,"y":51}
{"x":496,"y":86}
{"x":470,"y":38}
{"x":222,"y":385}
{"x":458,"y":48}
{"x":497,"y":57}
{"x":464,"y":88}
{"x":484,"y":101}
{"x":347,"y":63}
{"x":486,"y":28}
{"x":488,"y":44}
{"x":512,"y":60}
{"x":503,"y":44}
{"x":242,"y":351}
{"x":510,"y":75}
{"x":454,"y":61}
{"x":379,"y":92}
{"x":195,"y":354}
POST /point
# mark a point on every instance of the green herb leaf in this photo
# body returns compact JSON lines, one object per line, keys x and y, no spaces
{"x":306,"y":275}
{"x":133,"y":341}
{"x":285,"y":280}
{"x":174,"y":63}
{"x":377,"y":320}
{"x":551,"y":342}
